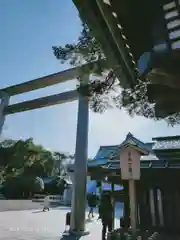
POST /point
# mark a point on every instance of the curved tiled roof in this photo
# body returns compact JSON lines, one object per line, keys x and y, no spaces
{"x":106,"y":153}
{"x":147,"y":164}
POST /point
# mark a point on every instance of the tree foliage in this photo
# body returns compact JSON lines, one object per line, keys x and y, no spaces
{"x":24,"y":156}
{"x":23,"y":164}
{"x":104,"y":90}
{"x":56,"y":186}
{"x":38,"y":185}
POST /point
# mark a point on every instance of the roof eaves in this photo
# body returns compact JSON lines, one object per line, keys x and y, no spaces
{"x":105,"y":32}
{"x":176,"y":137}
{"x":98,"y":162}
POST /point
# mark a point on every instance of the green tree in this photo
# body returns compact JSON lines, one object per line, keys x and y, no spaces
{"x":105,"y":90}
{"x":56,"y":186}
{"x":48,"y":162}
{"x":60,"y":160}
{"x":61,"y":185}
{"x":7,"y":143}
{"x":16,"y":154}
{"x":26,"y":157}
{"x":23,"y":164}
{"x":36,"y":169}
{"x":38,"y":185}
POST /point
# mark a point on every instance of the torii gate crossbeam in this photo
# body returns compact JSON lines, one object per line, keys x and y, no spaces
{"x":81,"y":150}
{"x":42,"y":102}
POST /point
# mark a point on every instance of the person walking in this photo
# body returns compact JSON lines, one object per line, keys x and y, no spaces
{"x":106,"y":214}
{"x":46,"y":203}
{"x":92,"y":203}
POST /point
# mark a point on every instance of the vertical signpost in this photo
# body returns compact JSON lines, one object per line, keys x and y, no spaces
{"x":130,"y":170}
{"x":113,"y":203}
{"x":132,"y":194}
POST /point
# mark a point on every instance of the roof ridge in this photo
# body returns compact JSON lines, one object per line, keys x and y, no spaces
{"x":163,"y":138}
{"x":116,"y":145}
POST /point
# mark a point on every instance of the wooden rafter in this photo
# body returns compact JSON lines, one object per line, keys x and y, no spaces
{"x":92,"y":15}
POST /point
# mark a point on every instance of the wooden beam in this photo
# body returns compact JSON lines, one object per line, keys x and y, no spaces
{"x":69,"y":74}
{"x":91,"y":14}
{"x":42,"y":102}
{"x":118,"y":40}
{"x":158,"y":77}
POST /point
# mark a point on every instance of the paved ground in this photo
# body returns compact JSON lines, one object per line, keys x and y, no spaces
{"x":16,"y":205}
{"x":38,"y":225}
{"x":12,"y":205}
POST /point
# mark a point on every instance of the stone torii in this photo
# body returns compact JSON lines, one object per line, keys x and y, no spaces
{"x":81,"y":150}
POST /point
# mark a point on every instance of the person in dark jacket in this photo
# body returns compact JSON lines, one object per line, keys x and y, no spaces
{"x":106,"y":214}
{"x":92,"y":203}
{"x":125,"y":223}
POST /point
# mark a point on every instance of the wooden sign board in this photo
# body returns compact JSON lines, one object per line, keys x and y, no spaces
{"x":130,"y":163}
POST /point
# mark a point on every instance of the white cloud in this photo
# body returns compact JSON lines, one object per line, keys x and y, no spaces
{"x":112,"y":127}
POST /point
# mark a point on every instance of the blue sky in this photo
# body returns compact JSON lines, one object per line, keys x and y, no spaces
{"x":29,"y":29}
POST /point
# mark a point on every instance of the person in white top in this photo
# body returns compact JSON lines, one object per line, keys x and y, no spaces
{"x":46,"y":203}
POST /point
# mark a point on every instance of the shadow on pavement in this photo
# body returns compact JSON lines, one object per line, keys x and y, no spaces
{"x":62,"y":207}
{"x":67,"y":236}
{"x":39,"y":211}
{"x":89,"y":220}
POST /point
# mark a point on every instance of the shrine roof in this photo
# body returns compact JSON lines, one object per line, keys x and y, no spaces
{"x":148,"y":164}
{"x":124,"y":30}
{"x":166,"y":143}
{"x":107,"y":153}
{"x":160,"y":148}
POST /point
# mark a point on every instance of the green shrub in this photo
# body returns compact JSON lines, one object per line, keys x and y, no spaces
{"x":22,"y":187}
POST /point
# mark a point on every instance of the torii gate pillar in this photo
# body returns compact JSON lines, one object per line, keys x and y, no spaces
{"x":81,"y":153}
{"x":4,"y":99}
{"x":80,"y":167}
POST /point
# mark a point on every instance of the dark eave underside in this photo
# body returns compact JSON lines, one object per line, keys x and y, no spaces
{"x":149,"y":164}
{"x":116,"y":51}
{"x":137,"y":19}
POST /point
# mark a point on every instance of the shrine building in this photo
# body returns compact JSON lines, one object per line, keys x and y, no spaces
{"x":157,"y":191}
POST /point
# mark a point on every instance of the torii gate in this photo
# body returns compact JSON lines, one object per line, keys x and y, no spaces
{"x":81,"y":150}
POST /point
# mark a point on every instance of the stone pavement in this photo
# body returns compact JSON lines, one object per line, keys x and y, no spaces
{"x":38,"y":225}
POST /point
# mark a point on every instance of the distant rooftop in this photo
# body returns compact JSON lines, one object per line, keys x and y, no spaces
{"x":159,"y":148}
{"x":166,"y":143}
